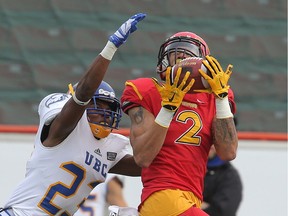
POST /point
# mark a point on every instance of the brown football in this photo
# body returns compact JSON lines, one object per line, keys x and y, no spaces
{"x":191,"y":64}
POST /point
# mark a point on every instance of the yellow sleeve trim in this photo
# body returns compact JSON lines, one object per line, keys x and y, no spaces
{"x":134,"y":88}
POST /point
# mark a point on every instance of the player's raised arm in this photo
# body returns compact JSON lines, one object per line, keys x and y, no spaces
{"x":223,"y":130}
{"x":71,"y":113}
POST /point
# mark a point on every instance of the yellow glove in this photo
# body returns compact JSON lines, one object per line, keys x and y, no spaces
{"x":172,"y":94}
{"x":219,"y":80}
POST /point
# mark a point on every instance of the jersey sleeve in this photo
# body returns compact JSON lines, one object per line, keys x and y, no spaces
{"x":124,"y":142}
{"x":138,"y":93}
{"x":232,"y":101}
{"x":119,"y":147}
{"x":51,"y":105}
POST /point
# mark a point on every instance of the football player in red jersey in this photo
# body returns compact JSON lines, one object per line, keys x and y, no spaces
{"x":172,"y":132}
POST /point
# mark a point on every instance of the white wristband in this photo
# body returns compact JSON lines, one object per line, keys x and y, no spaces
{"x":223,"y":108}
{"x":77,"y":101}
{"x":108,"y":51}
{"x":164,"y":117}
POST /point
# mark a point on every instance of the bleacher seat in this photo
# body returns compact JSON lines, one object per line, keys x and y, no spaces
{"x":45,"y":45}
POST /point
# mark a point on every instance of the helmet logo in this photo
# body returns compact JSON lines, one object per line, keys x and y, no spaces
{"x":106,"y":93}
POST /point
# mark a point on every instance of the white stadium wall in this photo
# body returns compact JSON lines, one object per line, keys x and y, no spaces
{"x":262,"y":166}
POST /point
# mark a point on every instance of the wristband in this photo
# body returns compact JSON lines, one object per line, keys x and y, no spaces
{"x":164,"y":117}
{"x":108,"y":51}
{"x":76,"y":100}
{"x":223,"y":109}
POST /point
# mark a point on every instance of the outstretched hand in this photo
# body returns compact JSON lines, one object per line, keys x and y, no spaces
{"x":121,"y":35}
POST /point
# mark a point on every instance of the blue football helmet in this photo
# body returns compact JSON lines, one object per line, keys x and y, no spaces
{"x":105,"y":93}
{"x":112,"y":116}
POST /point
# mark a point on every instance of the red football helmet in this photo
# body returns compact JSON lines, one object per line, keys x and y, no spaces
{"x":187,"y":43}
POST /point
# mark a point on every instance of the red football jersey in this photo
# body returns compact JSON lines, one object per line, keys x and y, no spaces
{"x":181,"y":162}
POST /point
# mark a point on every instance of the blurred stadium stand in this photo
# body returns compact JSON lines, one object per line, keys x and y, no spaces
{"x":46,"y":44}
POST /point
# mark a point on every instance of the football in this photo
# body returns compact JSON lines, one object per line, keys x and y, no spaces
{"x":192,"y":64}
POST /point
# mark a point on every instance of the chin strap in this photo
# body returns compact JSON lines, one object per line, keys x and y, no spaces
{"x":99,"y":131}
